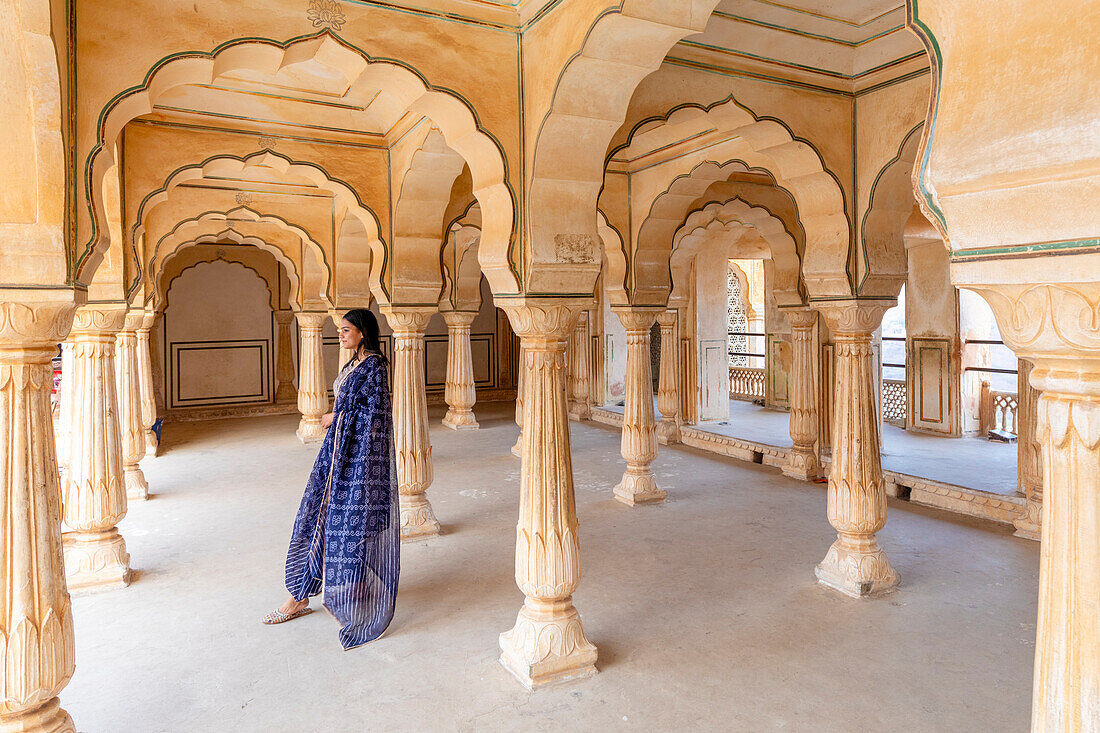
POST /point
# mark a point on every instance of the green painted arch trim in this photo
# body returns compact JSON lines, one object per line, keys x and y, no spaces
{"x":871,"y":199}
{"x":244,"y":159}
{"x":144,"y":85}
{"x":290,"y":224}
{"x":178,"y":275}
{"x":913,"y":21}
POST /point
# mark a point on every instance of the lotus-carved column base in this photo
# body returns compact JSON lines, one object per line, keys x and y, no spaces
{"x":152,"y":445}
{"x":96,"y":560}
{"x":310,"y":429}
{"x":137,"y":488}
{"x":547,"y":644}
{"x":46,"y":718}
{"x":802,"y":464}
{"x":418,"y":521}
{"x":668,"y":431}
{"x":460,"y":420}
{"x":856,"y":566}
{"x":639,"y":486}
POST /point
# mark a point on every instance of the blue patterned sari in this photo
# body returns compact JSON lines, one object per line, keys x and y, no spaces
{"x":347,"y":531}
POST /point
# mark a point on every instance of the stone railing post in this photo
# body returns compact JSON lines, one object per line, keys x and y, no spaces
{"x":639,"y":437}
{"x":94,"y":501}
{"x":547,"y":643}
{"x":1029,"y":456}
{"x":35,"y":618}
{"x":312,"y":395}
{"x":460,"y":392}
{"x":855,"y":564}
{"x":130,"y":424}
{"x":285,"y":393}
{"x":580,"y":402}
{"x":145,"y":382}
{"x":410,"y":420}
{"x":802,"y":460}
{"x":668,"y":382}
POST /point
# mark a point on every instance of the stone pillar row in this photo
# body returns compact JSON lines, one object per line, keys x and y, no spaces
{"x":855,"y":564}
{"x":802,"y":460}
{"x":580,"y":404}
{"x":460,"y":393}
{"x":668,"y":381}
{"x":312,"y":393}
{"x":639,"y":435}
{"x":94,"y":494}
{"x":1029,"y":456}
{"x":285,"y":392}
{"x":410,"y":420}
{"x":131,"y":424}
{"x":145,"y":382}
{"x":35,"y":618}
{"x":547,"y":643}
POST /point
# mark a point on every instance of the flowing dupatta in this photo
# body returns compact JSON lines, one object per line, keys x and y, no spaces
{"x":347,"y":531}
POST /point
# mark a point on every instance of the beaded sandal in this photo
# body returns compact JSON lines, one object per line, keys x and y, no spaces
{"x":278,"y":617}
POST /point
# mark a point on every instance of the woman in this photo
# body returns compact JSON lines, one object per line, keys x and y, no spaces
{"x":347,"y":530}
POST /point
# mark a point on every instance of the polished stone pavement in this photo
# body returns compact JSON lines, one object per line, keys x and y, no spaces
{"x":704,"y":609}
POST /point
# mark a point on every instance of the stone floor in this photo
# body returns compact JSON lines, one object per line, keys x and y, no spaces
{"x":972,"y":462}
{"x":704,"y":609}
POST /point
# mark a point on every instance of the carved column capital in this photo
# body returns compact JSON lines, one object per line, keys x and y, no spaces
{"x":311,"y":320}
{"x":638,"y":318}
{"x":97,"y":319}
{"x":408,"y":319}
{"x":459,"y":319}
{"x":284,"y":317}
{"x":148,"y":320}
{"x":803,"y":317}
{"x":541,"y":318}
{"x":853,"y":317}
{"x":667,"y":318}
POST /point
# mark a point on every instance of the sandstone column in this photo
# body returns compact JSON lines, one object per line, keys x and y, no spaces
{"x":855,"y":564}
{"x":517,"y":449}
{"x":410,"y":420}
{"x":668,"y":384}
{"x":460,"y":392}
{"x":285,"y":393}
{"x":64,"y":417}
{"x":1029,"y":457}
{"x":128,"y":390}
{"x":802,"y":460}
{"x":639,"y":438}
{"x":95,"y":495}
{"x":312,"y":395}
{"x":35,"y":618}
{"x":580,"y":406}
{"x":145,"y":382}
{"x":547,"y":643}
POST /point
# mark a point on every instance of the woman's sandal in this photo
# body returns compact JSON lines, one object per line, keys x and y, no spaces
{"x":278,"y":617}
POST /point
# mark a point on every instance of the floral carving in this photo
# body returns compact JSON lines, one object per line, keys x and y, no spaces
{"x":326,"y":14}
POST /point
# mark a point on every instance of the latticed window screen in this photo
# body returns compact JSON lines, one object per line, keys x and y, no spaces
{"x":737,"y":321}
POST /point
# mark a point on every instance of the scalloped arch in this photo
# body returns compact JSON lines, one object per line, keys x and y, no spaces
{"x":716,"y":218}
{"x":164,"y":282}
{"x":269,"y":233}
{"x":747,"y":142}
{"x":403,"y":89}
{"x":589,"y":103}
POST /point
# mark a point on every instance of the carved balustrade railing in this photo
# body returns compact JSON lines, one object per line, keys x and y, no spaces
{"x":746,"y":383}
{"x":997,"y":410}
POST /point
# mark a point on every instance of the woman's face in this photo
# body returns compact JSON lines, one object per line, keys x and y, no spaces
{"x":350,"y":336}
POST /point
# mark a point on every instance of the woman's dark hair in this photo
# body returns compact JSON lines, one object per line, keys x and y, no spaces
{"x":367,"y":324}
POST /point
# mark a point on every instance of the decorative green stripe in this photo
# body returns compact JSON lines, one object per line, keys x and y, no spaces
{"x":803,"y":11}
{"x":805,"y":34}
{"x":936,"y":56}
{"x":252,"y":133}
{"x":804,"y":67}
{"x":1068,"y":246}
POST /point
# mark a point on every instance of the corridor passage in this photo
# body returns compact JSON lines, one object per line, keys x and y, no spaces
{"x":705,"y":608}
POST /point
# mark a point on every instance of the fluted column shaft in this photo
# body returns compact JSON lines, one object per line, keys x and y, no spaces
{"x":855,"y":564}
{"x":580,"y":406}
{"x":517,"y":449}
{"x":145,"y":382}
{"x":94,"y":501}
{"x":410,"y":421}
{"x":460,"y":392}
{"x":802,"y":460}
{"x":1029,"y":456}
{"x":639,"y":435}
{"x":547,"y":643}
{"x":285,"y":393}
{"x":128,"y":388}
{"x":668,"y":381}
{"x":35,"y":617}
{"x":64,"y":417}
{"x":312,"y":395}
